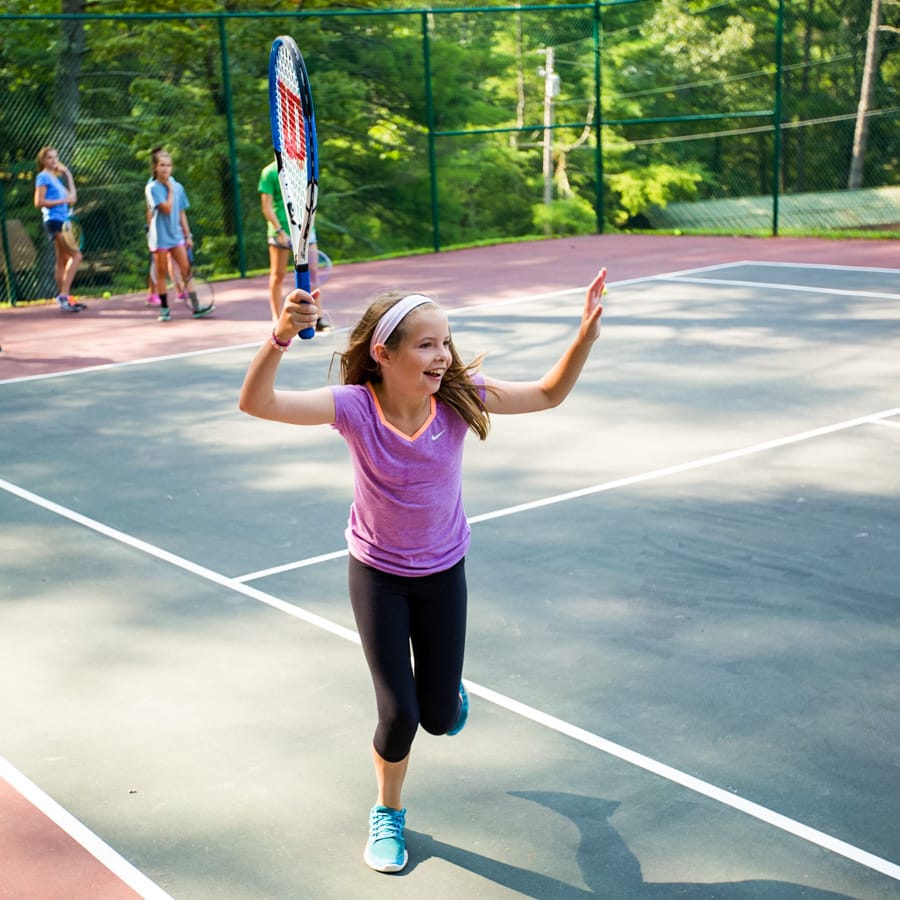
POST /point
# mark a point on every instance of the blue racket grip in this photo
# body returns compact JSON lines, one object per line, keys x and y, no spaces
{"x":302,"y":282}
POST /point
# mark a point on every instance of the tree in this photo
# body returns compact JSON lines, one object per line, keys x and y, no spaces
{"x":866,"y":93}
{"x":861,"y":133}
{"x":68,"y":76}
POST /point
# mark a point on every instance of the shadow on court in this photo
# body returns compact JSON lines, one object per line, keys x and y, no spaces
{"x":607,"y":866}
{"x":736,"y":621}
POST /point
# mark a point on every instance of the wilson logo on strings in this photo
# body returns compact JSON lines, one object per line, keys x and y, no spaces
{"x":293,"y":134}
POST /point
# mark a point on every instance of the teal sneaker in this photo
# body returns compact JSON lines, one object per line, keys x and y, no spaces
{"x":201,"y":311}
{"x":460,"y":722}
{"x":165,"y":314}
{"x":386,"y":848}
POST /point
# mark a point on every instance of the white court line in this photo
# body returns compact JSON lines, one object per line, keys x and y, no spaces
{"x":289,"y":567}
{"x":826,"y":266}
{"x":178,"y":561}
{"x":128,"y":362}
{"x":734,"y":801}
{"x":682,"y":274}
{"x":678,"y":275}
{"x":775,"y":286}
{"x":451,"y":312}
{"x":688,"y":466}
{"x":81,"y":834}
{"x":726,"y":798}
{"x":187,"y":354}
{"x":628,"y":480}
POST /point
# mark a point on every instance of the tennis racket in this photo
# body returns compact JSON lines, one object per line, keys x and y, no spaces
{"x":296,"y":151}
{"x":325,"y":267}
{"x":198,"y":296}
{"x":72,"y":234}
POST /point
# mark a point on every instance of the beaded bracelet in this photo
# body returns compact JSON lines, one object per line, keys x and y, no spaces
{"x":278,"y":345}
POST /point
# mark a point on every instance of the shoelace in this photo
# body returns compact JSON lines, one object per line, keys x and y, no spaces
{"x":386,"y":824}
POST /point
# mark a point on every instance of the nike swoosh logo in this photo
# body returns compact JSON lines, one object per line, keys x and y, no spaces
{"x":434,"y":437}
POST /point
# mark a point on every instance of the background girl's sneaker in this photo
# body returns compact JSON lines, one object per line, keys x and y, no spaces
{"x":66,"y":304}
{"x":200,"y":311}
{"x":193,"y":302}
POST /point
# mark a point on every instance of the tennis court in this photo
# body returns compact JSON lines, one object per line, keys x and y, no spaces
{"x":683,"y":624}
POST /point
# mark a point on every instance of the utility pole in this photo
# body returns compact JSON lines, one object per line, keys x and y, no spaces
{"x":551,"y":91}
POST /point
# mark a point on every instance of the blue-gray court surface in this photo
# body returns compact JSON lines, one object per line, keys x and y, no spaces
{"x":683,"y":633}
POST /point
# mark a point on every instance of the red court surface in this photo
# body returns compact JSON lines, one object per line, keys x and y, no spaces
{"x":41,"y":339}
{"x":38,"y":860}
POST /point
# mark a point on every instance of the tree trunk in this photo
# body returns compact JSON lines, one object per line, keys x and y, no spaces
{"x":800,"y":142}
{"x":68,"y":74}
{"x":861,"y":134}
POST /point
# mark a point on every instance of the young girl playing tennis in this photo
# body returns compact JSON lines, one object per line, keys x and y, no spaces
{"x":404,"y":407}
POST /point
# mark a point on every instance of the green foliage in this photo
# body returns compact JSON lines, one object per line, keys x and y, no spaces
{"x":686,"y":98}
{"x":654,"y":185}
{"x":573,"y":215}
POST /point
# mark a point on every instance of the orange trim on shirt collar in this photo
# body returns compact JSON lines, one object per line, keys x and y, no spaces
{"x":394,"y":428}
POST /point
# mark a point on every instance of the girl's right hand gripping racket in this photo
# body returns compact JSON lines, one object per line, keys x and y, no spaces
{"x":296,"y":153}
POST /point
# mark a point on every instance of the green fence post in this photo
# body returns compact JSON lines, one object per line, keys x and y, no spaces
{"x":776,"y":115}
{"x":232,"y":151}
{"x":432,"y":157}
{"x":7,"y":255}
{"x":600,"y":199}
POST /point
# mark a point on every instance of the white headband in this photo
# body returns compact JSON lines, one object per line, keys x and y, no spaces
{"x":393,"y":317}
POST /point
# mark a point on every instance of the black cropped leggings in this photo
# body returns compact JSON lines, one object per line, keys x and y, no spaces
{"x":428,"y":614}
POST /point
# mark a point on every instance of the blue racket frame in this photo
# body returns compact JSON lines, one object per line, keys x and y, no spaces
{"x":301,"y":220}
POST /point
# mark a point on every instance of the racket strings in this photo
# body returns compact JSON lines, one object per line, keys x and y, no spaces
{"x":291,"y":116}
{"x":292,"y":127}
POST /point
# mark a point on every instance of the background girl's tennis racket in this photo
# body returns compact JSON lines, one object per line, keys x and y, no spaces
{"x":325,"y":267}
{"x":296,"y":152}
{"x":72,"y":233}
{"x":204,"y":300}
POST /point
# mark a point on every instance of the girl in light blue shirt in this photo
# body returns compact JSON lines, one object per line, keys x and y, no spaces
{"x":169,"y":233}
{"x":54,"y":199}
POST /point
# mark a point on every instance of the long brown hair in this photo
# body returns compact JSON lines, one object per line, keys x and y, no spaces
{"x":42,"y":155}
{"x":457,"y":389}
{"x":155,"y":155}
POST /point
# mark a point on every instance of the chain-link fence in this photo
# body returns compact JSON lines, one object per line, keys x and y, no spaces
{"x":450,"y":126}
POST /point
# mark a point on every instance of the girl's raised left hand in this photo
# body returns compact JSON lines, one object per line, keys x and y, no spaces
{"x":593,"y":307}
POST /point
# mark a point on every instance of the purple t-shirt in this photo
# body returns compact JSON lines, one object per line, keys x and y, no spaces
{"x":407,"y":516}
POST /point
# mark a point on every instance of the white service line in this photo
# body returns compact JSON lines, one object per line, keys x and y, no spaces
{"x":124,"y":364}
{"x":874,"y":418}
{"x":879,"y":418}
{"x":81,"y":834}
{"x":829,"y":266}
{"x":669,"y":773}
{"x":511,"y":301}
{"x":289,"y":567}
{"x":180,"y":562}
{"x":776,"y":286}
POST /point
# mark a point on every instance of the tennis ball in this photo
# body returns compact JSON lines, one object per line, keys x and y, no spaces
{"x":106,"y":295}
